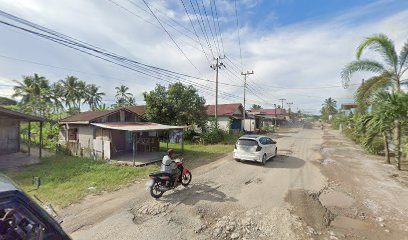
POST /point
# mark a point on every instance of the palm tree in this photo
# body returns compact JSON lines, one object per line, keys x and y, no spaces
{"x":123,"y":97}
{"x":34,"y":93}
{"x":30,"y":87}
{"x":329,"y":107}
{"x":388,"y":72}
{"x":81,"y":93}
{"x":71,"y":87}
{"x":122,"y":92}
{"x":56,"y":94}
{"x":93,"y":96}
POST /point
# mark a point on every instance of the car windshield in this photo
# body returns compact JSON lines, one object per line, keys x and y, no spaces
{"x":247,"y":142}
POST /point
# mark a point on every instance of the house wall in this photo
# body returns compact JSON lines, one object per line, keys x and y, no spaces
{"x":85,"y":136}
{"x":9,"y":135}
{"x":223,"y":123}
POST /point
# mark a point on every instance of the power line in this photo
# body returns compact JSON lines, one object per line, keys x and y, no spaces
{"x":239,"y":38}
{"x":171,"y":37}
{"x":195,"y":32}
{"x":202,"y":26}
{"x":219,"y":29}
{"x":209,"y":26}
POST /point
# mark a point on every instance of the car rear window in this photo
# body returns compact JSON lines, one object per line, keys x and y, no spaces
{"x":247,"y":142}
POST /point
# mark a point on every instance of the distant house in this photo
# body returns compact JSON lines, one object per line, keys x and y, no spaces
{"x":112,"y":134}
{"x":348,"y":108}
{"x":10,"y":130}
{"x":260,"y":117}
{"x":229,"y":116}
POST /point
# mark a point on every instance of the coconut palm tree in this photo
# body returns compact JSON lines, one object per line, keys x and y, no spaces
{"x":123,"y":97}
{"x":388,"y":72}
{"x":34,"y":93}
{"x":93,"y":96}
{"x":30,"y":87}
{"x":56,"y":94}
{"x":71,"y":88}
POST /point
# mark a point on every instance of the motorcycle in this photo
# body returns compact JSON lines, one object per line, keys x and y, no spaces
{"x":163,"y":181}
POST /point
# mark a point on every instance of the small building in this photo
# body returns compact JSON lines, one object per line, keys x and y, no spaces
{"x":116,"y":134}
{"x":348,"y":108}
{"x":229,"y":116}
{"x":10,"y":131}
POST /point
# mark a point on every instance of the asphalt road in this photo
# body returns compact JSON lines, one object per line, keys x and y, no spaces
{"x":226,"y":199}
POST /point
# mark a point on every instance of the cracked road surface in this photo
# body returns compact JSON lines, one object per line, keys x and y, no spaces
{"x":226,"y":199}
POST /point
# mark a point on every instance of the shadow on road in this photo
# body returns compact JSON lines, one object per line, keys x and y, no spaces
{"x":280,"y":161}
{"x":197,"y":192}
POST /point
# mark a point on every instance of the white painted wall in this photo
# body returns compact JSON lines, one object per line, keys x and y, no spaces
{"x":249,"y":125}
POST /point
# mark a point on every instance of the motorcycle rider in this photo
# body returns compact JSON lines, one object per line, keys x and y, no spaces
{"x":169,"y":165}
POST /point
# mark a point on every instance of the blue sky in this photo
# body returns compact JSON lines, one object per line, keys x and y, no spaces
{"x":295,"y":47}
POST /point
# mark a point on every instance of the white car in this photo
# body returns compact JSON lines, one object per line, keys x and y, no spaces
{"x":256,"y":148}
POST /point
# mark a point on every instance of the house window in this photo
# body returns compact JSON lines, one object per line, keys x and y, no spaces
{"x":73,"y":134}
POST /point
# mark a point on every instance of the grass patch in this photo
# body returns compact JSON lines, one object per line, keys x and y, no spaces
{"x":67,"y":179}
{"x":199,"y":154}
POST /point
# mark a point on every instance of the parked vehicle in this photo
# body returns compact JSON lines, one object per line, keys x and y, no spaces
{"x":256,"y":148}
{"x":163,"y":181}
{"x":22,"y":218}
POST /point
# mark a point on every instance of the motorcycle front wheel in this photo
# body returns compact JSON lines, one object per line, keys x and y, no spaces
{"x":155,"y":190}
{"x":186,"y":179}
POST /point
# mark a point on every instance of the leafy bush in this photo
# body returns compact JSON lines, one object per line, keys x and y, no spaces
{"x":375,"y":146}
{"x":190,"y":135}
{"x":214,"y":136}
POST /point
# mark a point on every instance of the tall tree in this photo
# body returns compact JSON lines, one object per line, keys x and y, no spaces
{"x":34,"y":93}
{"x":387,"y":72}
{"x":71,"y":87}
{"x":256,"y":107}
{"x":93,"y":96}
{"x":177,"y":105}
{"x":124,"y":97}
{"x":329,"y":108}
{"x":56,"y":94}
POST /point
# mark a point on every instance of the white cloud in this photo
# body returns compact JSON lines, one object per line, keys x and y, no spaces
{"x":308,"y":54}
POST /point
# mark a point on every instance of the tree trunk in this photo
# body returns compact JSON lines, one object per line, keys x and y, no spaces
{"x":386,"y":149}
{"x":398,"y":146}
{"x":398,"y":132}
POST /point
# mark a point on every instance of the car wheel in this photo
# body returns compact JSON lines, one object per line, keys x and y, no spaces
{"x":264,"y":159}
{"x":238,"y":160}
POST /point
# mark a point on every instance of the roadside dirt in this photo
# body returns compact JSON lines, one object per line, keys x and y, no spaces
{"x":320,"y":186}
{"x":368,"y":198}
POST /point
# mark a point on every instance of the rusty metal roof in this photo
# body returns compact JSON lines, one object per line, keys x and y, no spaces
{"x":137,"y":126}
{"x":86,"y":117}
{"x":20,"y":116}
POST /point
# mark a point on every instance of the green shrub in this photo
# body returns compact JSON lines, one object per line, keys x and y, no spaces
{"x":375,"y":146}
{"x":214,"y":136}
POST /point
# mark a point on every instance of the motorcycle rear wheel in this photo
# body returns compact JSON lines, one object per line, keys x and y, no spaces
{"x":186,"y":179}
{"x":154,"y":190}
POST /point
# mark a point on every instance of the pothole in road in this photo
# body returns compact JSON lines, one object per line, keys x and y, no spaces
{"x":308,"y":207}
{"x":148,"y":210}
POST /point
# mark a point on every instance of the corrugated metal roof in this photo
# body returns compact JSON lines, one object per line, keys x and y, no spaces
{"x":19,"y":115}
{"x":137,"y":126}
{"x":91,"y":115}
{"x":223,"y":109}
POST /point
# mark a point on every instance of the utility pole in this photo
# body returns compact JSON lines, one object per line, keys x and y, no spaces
{"x":245,"y":85}
{"x":216,"y":67}
{"x":275,"y":115}
{"x":282,"y":99}
{"x":289,"y":108}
